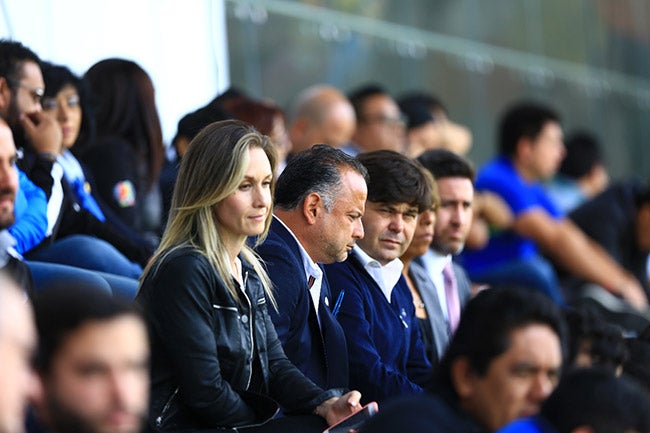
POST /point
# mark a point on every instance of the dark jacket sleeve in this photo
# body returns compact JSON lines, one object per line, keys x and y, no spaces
{"x":179,"y":311}
{"x":287,"y":384}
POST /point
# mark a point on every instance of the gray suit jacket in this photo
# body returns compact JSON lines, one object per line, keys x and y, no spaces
{"x":420,"y":277}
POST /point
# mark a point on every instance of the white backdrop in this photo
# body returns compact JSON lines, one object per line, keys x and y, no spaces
{"x":180,"y":43}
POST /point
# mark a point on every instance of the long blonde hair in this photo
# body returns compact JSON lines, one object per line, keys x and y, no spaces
{"x":212,"y":168}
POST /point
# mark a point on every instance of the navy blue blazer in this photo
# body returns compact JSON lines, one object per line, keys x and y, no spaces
{"x":386,"y":352}
{"x":319,"y":352}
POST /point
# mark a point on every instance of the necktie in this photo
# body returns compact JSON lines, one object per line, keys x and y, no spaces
{"x":451,"y":293}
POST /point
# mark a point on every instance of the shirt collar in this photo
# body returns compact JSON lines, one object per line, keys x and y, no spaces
{"x":309,"y":266}
{"x":436,"y":261}
{"x":385,"y":276}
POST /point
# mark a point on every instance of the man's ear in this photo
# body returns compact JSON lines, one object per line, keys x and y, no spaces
{"x":462,"y":377}
{"x":523,"y":148}
{"x":311,"y":207}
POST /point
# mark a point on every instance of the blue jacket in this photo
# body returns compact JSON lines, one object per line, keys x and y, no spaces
{"x":30,"y":210}
{"x":386,"y":354}
{"x":319,"y":352}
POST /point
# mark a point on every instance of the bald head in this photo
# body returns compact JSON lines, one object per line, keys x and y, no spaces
{"x":321,"y":114}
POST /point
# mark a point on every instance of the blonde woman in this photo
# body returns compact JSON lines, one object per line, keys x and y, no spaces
{"x":216,"y":359}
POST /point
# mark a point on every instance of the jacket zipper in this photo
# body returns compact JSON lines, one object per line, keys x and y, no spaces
{"x":165,"y":408}
{"x":250,"y":330}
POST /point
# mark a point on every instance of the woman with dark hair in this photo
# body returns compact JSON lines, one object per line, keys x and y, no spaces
{"x":79,"y":233}
{"x":65,"y":99}
{"x":126,"y":156}
{"x":217,"y":361}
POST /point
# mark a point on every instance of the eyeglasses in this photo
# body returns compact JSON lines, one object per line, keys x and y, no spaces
{"x":35,"y":92}
{"x":386,"y":120}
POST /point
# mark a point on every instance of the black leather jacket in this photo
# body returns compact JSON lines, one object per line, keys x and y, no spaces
{"x":202,"y":350}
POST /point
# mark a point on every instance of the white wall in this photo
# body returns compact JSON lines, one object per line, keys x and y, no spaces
{"x":180,"y":43}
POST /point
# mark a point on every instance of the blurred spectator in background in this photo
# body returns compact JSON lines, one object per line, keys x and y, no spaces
{"x":618,"y":220}
{"x":126,"y":156}
{"x":531,"y":149}
{"x":18,"y":384}
{"x":590,"y":400}
{"x":380,"y":123}
{"x":93,"y":363}
{"x":268,"y":119}
{"x":582,"y":174}
{"x":321,"y":114}
{"x":429,"y":127}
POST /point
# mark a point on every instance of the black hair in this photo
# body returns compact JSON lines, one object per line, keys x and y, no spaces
{"x":598,"y":399}
{"x":486,"y":325}
{"x":604,"y":341}
{"x":445,"y":163}
{"x":523,"y":120}
{"x":192,"y":123}
{"x":582,"y":155}
{"x":318,"y":170}
{"x":56,"y":77}
{"x":12,"y":56}
{"x":61,"y":311}
{"x":423,"y":99}
{"x":359,"y":96}
{"x":416,"y":114}
{"x":395,"y":178}
{"x":124,"y":106}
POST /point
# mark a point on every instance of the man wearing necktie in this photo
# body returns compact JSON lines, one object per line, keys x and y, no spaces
{"x":450,"y":291}
{"x":319,"y":200}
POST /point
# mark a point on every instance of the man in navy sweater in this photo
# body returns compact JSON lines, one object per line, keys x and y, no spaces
{"x":377,"y":314}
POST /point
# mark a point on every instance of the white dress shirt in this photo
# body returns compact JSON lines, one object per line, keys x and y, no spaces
{"x":385,"y":276}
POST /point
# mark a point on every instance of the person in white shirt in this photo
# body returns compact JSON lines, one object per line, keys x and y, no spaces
{"x":376,"y":310}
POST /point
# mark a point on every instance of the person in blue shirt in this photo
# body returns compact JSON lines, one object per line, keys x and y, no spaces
{"x":531,"y":149}
{"x":385,"y":350}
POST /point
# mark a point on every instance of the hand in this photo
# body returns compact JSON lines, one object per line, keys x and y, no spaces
{"x":493,"y":209}
{"x":43,"y":132}
{"x":633,"y":293}
{"x":337,"y":408}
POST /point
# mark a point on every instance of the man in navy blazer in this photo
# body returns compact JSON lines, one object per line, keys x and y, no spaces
{"x":319,"y":200}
